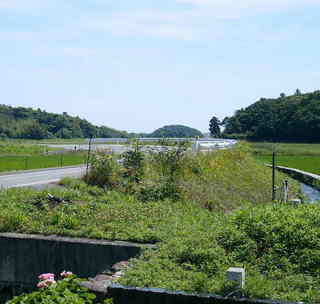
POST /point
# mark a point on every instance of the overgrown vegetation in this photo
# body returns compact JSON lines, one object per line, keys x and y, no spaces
{"x":277,"y":244}
{"x":217,"y":215}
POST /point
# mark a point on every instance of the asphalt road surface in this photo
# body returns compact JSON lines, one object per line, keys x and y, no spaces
{"x":36,"y":178}
{"x":117,"y":149}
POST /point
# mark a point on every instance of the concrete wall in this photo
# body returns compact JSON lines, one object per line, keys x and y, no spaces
{"x":24,"y":257}
{"x":131,"y":295}
{"x":302,"y":176}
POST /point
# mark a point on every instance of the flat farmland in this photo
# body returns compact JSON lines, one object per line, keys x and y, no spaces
{"x":305,"y":157}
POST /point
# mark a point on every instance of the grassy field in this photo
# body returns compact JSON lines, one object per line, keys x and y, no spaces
{"x":22,"y":148}
{"x":267,"y":148}
{"x":305,"y":157}
{"x":23,"y":156}
{"x":306,"y":163}
{"x":18,"y":162}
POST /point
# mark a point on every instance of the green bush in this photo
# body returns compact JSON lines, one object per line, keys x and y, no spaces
{"x":104,"y":171}
{"x":133,"y":164}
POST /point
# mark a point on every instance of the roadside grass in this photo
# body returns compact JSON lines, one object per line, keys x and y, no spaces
{"x":20,"y":162}
{"x":90,"y":212}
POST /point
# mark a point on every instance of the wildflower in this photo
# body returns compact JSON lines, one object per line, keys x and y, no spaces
{"x":66,"y":274}
{"x":46,"y":276}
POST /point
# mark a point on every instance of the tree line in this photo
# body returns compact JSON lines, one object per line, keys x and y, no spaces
{"x":21,"y":122}
{"x":287,"y":118}
{"x":27,"y":123}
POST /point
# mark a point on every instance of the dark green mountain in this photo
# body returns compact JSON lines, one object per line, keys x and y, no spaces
{"x":20,"y":122}
{"x":176,"y":131}
{"x":287,"y":118}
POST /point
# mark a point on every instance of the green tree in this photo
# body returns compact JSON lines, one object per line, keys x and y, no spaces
{"x":214,"y":127}
{"x":288,"y":118}
{"x":298,"y":92}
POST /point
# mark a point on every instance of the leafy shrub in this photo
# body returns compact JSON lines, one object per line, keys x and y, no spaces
{"x":165,"y":172}
{"x":170,"y":162}
{"x":64,"y":291}
{"x":104,"y":171}
{"x":133,"y":164}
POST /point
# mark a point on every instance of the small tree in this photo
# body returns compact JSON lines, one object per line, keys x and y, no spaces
{"x":298,"y":92}
{"x":133,"y":164}
{"x":214,"y":127}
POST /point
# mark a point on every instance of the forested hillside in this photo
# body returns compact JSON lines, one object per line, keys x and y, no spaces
{"x":289,"y":118}
{"x":20,"y":122}
{"x":176,"y":131}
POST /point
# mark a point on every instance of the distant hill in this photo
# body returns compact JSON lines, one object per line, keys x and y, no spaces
{"x":287,"y":118}
{"x":20,"y":122}
{"x":176,"y":131}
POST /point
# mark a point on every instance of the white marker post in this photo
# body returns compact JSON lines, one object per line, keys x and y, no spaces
{"x":237,"y":275}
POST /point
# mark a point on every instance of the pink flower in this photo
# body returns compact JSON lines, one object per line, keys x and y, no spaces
{"x":45,"y":283}
{"x":46,"y":276}
{"x":66,"y":274}
{"x":41,"y":284}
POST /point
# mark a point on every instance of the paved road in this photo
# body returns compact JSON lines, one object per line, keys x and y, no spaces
{"x":35,"y":178}
{"x":117,"y":149}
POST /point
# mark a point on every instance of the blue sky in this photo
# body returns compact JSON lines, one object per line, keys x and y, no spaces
{"x":139,"y":65}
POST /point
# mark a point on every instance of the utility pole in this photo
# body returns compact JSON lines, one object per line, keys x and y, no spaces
{"x":88,"y":157}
